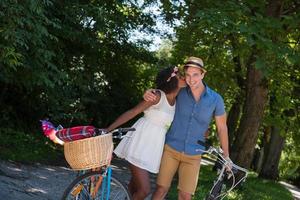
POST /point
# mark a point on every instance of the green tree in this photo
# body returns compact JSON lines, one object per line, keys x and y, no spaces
{"x":246,"y":46}
{"x":71,"y":61}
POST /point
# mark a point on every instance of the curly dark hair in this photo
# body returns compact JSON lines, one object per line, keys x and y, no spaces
{"x":162,"y":83}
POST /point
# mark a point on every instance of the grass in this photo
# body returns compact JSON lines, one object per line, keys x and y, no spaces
{"x":28,"y":147}
{"x":254,"y":188}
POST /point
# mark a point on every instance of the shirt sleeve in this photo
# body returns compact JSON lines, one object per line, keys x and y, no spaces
{"x":220,"y":107}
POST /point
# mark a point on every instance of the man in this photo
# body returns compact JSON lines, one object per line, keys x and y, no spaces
{"x":195,"y":106}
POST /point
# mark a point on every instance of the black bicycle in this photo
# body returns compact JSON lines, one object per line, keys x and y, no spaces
{"x":227,"y":178}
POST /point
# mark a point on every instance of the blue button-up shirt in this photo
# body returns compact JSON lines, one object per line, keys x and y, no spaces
{"x":192,"y":119}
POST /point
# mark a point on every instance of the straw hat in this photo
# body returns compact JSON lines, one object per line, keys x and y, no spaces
{"x":194,"y":62}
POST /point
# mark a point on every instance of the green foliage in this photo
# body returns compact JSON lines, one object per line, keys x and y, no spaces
{"x":71,"y":61}
{"x":253,"y":188}
{"x":164,"y":54}
{"x":290,"y":165}
{"x":27,"y":147}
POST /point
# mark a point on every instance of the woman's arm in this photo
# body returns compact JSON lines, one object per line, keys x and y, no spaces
{"x":128,"y":115}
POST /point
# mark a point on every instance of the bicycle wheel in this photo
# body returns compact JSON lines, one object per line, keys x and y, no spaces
{"x":94,"y":185}
{"x":216,"y":191}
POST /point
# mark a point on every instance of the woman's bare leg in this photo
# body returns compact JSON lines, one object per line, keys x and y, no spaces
{"x":141,"y":182}
{"x":132,"y":186}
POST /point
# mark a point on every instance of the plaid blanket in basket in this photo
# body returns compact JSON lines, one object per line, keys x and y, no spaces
{"x":76,"y":133}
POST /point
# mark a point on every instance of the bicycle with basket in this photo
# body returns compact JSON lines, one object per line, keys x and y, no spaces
{"x":92,"y":158}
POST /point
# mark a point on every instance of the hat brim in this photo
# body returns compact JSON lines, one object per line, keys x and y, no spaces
{"x":196,"y":66}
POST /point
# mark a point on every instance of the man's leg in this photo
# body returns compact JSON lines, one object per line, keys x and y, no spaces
{"x":184,"y":195}
{"x":160,"y":193}
{"x":188,"y":174}
{"x":168,"y":167}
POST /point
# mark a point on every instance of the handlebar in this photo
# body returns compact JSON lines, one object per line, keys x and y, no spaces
{"x":126,"y":129}
{"x":219,"y":152}
{"x":120,"y":132}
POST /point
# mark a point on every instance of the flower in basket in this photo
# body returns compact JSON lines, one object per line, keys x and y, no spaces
{"x":50,"y":132}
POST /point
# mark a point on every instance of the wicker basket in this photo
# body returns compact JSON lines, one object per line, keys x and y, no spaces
{"x":89,"y":153}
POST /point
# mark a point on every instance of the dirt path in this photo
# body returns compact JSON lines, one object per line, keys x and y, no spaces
{"x":39,"y":182}
{"x":33,"y":182}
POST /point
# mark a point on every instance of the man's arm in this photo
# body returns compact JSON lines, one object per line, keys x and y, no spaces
{"x":223,"y":133}
{"x":150,"y":95}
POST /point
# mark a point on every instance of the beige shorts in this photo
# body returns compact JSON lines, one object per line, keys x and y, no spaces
{"x":187,"y":166}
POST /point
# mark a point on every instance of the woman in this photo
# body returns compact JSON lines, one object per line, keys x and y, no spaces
{"x":143,"y":148}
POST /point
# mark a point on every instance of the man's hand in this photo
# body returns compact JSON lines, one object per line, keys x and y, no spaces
{"x":149,"y":95}
{"x":228,"y":163}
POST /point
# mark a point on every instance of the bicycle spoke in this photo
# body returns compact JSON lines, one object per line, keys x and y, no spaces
{"x":92,"y":186}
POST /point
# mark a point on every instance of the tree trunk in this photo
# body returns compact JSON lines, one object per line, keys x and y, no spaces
{"x":233,"y":118}
{"x":236,"y":108}
{"x":272,"y":155}
{"x":256,"y":98}
{"x":259,"y":153}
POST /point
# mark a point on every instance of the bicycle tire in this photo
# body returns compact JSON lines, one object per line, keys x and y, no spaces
{"x":80,"y":188}
{"x":215,"y":193}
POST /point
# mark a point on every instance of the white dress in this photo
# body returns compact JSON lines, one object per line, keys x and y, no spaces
{"x":143,"y":147}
